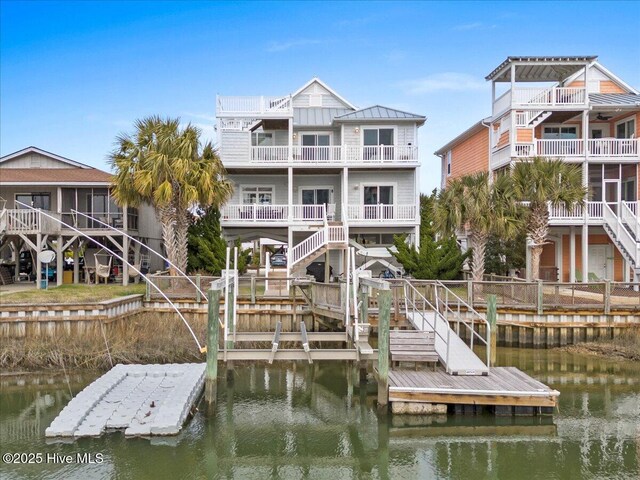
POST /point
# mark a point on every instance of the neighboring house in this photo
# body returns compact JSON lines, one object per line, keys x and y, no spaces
{"x":58,"y":185}
{"x":577,"y":110}
{"x":312,"y":170}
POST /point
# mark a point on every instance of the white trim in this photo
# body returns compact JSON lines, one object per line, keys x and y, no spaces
{"x":613,"y":77}
{"x":362,"y":186}
{"x":327,"y":87}
{"x":44,"y":153}
{"x":316,"y":187}
{"x":577,"y":126}
{"x":250,"y":185}
{"x":378,"y":127}
{"x":625,"y":120}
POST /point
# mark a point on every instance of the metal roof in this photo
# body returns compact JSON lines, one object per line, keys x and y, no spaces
{"x":378,"y":112}
{"x":317,"y":117}
{"x":542,"y":69}
{"x":615,"y":99}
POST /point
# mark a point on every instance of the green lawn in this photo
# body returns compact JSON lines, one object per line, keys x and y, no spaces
{"x":71,"y":294}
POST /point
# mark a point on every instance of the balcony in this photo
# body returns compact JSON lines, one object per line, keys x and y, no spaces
{"x":26,"y":221}
{"x":254,"y":106}
{"x":252,"y":214}
{"x":576,"y":216}
{"x":532,"y":97}
{"x":597,"y":149}
{"x":376,"y":214}
{"x":332,"y":155}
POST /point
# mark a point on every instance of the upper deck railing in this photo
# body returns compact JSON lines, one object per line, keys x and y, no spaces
{"x":536,"y":97}
{"x":254,"y":106}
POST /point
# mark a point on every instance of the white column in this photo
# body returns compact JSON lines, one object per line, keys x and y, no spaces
{"x":59,"y":201}
{"x":76,"y":261}
{"x":572,"y":254}
{"x":291,"y":140}
{"x":38,"y":262}
{"x":290,"y":193}
{"x":125,"y":265}
{"x":345,"y":193}
{"x":585,"y":252}
{"x":59,"y":260}
{"x":417,"y":238}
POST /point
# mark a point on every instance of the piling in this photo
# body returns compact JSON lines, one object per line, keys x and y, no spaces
{"x":211,"y":372}
{"x":492,"y":315}
{"x":384,"y":316}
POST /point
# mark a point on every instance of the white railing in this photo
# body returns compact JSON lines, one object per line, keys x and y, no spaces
{"x":380,"y":213}
{"x":254,"y":105}
{"x":618,"y":229}
{"x":633,"y":206}
{"x":594,"y":210}
{"x":236,"y":124}
{"x":524,"y":150}
{"x":307,"y":246}
{"x":27,"y":220}
{"x":629,"y":217}
{"x":613,"y":147}
{"x":278,"y":154}
{"x":254,"y":213}
{"x":502,"y":103}
{"x":500,"y":157}
{"x":561,"y":148}
{"x":328,"y":154}
{"x":3,"y":220}
{"x":309,"y":213}
{"x":380,"y":154}
{"x":528,"y":96}
{"x":561,"y":212}
{"x":335,"y":154}
{"x":523,"y":119}
{"x":336,"y":234}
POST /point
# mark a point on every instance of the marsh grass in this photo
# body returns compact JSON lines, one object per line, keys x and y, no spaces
{"x":71,"y":294}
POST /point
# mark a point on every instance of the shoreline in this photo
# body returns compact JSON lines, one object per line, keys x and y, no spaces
{"x":603,"y":349}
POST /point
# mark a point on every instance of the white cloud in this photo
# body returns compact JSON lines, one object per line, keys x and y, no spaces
{"x":301,"y":42}
{"x":446,"y":81}
{"x":473,"y":26}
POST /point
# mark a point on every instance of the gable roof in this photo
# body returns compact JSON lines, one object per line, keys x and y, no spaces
{"x":469,"y":132}
{"x":378,"y":112}
{"x":326,"y":87}
{"x":53,"y":176}
{"x":71,"y":163}
{"x":614,"y":78}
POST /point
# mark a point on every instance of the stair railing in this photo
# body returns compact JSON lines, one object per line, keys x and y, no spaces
{"x":620,"y":234}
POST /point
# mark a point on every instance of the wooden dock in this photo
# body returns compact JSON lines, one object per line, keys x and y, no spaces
{"x":506,"y":389}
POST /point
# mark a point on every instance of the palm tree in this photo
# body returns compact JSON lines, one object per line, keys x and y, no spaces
{"x":543,"y":182}
{"x":166,"y":165}
{"x":480,"y":208}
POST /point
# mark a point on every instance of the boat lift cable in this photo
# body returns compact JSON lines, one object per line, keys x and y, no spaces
{"x":120,"y":232}
{"x":184,"y":320}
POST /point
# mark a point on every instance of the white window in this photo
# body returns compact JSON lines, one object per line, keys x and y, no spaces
{"x":262,"y":139}
{"x":449,"y":163}
{"x":377,"y":136}
{"x":626,"y":128}
{"x":557,"y":133}
{"x":315,"y":100}
{"x":255,"y":194}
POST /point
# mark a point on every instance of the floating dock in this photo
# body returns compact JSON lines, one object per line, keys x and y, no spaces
{"x":141,"y":400}
{"x":506,"y":390}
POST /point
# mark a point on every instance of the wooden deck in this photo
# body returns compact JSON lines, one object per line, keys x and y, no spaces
{"x":503,"y":386}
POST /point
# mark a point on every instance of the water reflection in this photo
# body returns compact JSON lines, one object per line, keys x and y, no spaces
{"x":318,"y":421}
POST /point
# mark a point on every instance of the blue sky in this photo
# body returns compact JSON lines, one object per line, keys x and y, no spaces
{"x":75,"y":74}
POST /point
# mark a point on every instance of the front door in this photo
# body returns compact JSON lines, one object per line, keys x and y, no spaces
{"x":597,"y":262}
{"x":612,"y":194}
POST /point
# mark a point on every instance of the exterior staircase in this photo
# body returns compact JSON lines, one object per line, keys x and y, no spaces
{"x":332,"y":236}
{"x":624,"y":231}
{"x":532,"y":118}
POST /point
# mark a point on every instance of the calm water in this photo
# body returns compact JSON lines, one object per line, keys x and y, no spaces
{"x":301,"y":421}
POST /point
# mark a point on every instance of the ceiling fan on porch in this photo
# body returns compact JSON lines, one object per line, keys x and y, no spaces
{"x":604,"y":117}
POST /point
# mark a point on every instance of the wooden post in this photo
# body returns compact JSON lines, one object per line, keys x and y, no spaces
{"x":607,"y":297}
{"x":540,"y":301}
{"x":253,"y":288}
{"x":364,"y":304}
{"x":384,"y":316}
{"x":470,"y":292}
{"x":492,"y":314}
{"x":198,"y":295}
{"x":211,"y":372}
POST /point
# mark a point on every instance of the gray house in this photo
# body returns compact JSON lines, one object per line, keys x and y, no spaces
{"x":314,"y":171}
{"x":56,"y":186}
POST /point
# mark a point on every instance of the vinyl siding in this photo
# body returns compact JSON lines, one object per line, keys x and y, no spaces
{"x":471,"y":155}
{"x":34,"y":160}
{"x":403,"y":182}
{"x":328,"y":100}
{"x":235,"y":146}
{"x":279,"y":182}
